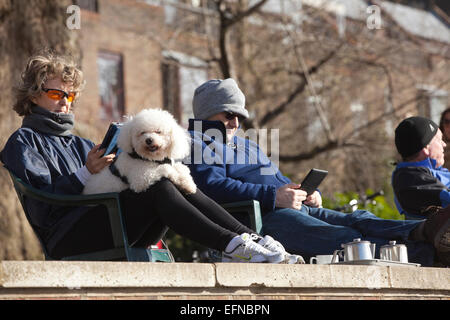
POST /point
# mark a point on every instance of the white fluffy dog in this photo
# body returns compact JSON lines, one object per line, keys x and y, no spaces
{"x":152,"y":145}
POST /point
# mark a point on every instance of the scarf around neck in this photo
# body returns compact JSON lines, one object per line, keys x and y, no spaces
{"x":40,"y":119}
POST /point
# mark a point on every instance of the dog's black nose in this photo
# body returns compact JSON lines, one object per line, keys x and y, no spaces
{"x":149,"y":141}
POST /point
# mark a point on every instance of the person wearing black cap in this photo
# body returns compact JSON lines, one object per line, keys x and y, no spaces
{"x":298,"y":221}
{"x":420,"y":181}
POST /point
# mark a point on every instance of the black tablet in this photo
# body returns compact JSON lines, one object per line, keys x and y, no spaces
{"x":313,"y":180}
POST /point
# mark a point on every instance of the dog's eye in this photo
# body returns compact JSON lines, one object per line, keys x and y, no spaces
{"x":158,"y":131}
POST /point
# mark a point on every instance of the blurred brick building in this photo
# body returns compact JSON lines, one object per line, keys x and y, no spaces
{"x":153,"y":53}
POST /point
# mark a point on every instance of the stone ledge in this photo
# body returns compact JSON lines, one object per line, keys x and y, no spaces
{"x":332,"y":276}
{"x":80,"y":274}
{"x":131,"y":280}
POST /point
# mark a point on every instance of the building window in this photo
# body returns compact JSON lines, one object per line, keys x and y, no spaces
{"x":181,"y":75}
{"x":171,"y":88}
{"x":90,"y":5}
{"x":110,"y":83}
{"x":431,"y":103}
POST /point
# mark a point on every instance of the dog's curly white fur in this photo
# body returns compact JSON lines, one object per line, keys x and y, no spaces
{"x":154,"y":135}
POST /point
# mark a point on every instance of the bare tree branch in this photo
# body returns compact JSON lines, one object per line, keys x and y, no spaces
{"x":243,"y":14}
{"x":387,"y":114}
{"x":388,"y":76}
{"x":368,"y":52}
{"x":298,"y":89}
{"x":226,"y":20}
{"x":328,"y":146}
{"x":344,"y":142}
{"x":411,"y":37}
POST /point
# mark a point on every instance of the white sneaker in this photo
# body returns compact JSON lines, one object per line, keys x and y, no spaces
{"x":275,"y":246}
{"x":246,"y":250}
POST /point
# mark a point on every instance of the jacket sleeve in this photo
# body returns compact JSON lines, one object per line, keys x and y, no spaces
{"x":416,"y":189}
{"x":212,"y":179}
{"x":30,"y":166}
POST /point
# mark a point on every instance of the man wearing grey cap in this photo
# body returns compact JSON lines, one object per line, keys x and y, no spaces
{"x":229,"y":168}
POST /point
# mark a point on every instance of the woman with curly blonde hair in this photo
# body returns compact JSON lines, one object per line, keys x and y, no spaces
{"x":39,"y":69}
{"x":43,"y":152}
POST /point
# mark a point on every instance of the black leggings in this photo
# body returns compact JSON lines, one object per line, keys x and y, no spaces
{"x":147,"y":216}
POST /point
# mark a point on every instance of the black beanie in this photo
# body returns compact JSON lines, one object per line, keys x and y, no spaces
{"x":413,"y":134}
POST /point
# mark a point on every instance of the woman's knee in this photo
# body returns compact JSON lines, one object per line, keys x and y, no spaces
{"x":163,"y":185}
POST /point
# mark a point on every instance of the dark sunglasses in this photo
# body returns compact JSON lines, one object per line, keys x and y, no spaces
{"x":56,"y":94}
{"x":231,"y":116}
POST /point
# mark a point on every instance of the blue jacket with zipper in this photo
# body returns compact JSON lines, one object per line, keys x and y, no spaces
{"x":232,"y":172}
{"x":418,"y":185}
{"x":49,"y":163}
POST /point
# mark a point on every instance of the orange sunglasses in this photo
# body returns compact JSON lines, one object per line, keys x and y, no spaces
{"x":56,"y":94}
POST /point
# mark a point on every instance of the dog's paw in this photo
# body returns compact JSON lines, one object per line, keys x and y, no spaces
{"x":190,"y":188}
{"x":187,"y":184}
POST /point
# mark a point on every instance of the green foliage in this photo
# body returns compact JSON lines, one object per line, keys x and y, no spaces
{"x":382,"y":206}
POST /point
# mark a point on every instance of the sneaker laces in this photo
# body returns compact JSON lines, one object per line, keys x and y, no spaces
{"x":255,"y":237}
{"x":271,"y":244}
{"x":250,"y":244}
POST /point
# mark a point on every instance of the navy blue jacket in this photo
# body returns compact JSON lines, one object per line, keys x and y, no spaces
{"x":418,"y":185}
{"x":232,"y":172}
{"x":49,"y":163}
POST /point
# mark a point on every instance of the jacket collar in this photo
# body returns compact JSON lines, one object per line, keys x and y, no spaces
{"x":201,"y":126}
{"x":428,"y":163}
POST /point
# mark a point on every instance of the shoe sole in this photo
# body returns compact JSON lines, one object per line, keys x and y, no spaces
{"x":243,"y":261}
{"x":278,"y":260}
{"x":236,"y":259}
{"x":442,"y":239}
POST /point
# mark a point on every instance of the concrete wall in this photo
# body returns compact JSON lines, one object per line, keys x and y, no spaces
{"x":221,"y":281}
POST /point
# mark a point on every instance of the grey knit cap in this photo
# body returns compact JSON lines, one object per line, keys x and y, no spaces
{"x":216,"y":96}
